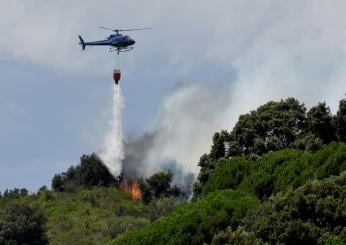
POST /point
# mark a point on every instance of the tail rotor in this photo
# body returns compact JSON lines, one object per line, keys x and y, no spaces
{"x":82,"y":42}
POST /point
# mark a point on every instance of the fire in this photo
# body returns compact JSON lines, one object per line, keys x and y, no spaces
{"x":132,"y":187}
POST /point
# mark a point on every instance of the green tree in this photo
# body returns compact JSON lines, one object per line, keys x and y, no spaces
{"x":57,"y":183}
{"x":307,"y":215}
{"x":320,"y":122}
{"x":146,"y":190}
{"x":273,"y":126}
{"x":218,"y":148}
{"x":15,"y":193}
{"x":161,"y":183}
{"x":308,"y":142}
{"x":157,"y":186}
{"x":21,"y":224}
{"x":92,"y":172}
{"x":340,"y":121}
{"x":89,"y":172}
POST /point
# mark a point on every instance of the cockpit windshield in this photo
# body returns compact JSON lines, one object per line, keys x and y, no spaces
{"x":126,"y":37}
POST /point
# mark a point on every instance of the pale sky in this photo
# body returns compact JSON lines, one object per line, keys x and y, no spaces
{"x":202,"y":64}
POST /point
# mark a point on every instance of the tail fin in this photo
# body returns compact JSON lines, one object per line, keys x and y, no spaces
{"x":81,"y":42}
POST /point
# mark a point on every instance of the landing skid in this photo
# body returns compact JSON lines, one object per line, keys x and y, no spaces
{"x":118,"y":50}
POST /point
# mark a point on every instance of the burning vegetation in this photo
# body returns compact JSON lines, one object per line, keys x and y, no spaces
{"x":131,"y":186}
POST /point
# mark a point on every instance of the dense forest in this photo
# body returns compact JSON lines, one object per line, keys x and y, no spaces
{"x":279,"y":177}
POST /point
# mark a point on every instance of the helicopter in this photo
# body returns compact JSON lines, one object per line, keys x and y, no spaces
{"x":117,"y":42}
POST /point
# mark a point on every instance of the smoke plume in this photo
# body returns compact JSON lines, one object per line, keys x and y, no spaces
{"x":181,"y":133}
{"x":113,"y":149}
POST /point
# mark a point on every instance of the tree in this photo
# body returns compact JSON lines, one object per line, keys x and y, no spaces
{"x":273,"y":126}
{"x":218,"y":148}
{"x":21,"y":224}
{"x":15,"y":193}
{"x":340,"y":121}
{"x":161,"y":183}
{"x":92,"y":172}
{"x":57,"y":182}
{"x":308,"y":142}
{"x":320,"y":122}
{"x":157,"y":186}
{"x":146,"y":190}
{"x":307,"y":215}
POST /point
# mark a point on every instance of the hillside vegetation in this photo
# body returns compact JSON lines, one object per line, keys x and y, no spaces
{"x":197,"y":222}
{"x":311,"y":214}
{"x":93,"y":216}
{"x":276,"y":171}
{"x":279,"y":177}
{"x":279,"y":156}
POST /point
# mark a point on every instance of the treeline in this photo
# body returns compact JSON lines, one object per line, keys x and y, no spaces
{"x":91,"y":172}
{"x":275,"y":126}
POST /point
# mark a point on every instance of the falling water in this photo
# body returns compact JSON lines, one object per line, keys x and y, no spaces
{"x":113,"y":152}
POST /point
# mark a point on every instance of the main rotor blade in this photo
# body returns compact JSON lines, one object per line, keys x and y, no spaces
{"x":119,"y":30}
{"x":106,"y":28}
{"x":135,"y":29}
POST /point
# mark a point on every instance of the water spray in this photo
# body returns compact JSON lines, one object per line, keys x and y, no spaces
{"x":113,"y":152}
{"x":113,"y":147}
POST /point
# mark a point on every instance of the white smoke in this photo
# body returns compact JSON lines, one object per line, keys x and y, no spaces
{"x":184,"y":127}
{"x":188,"y":117}
{"x":113,"y":150}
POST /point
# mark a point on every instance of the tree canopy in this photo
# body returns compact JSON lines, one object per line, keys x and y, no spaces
{"x":309,"y":215}
{"x":157,"y":186}
{"x":90,"y":172}
{"x":21,"y":224}
{"x":272,"y":127}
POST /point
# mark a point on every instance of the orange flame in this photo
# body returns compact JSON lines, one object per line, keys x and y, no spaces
{"x":132,"y":188}
{"x":136,"y":191}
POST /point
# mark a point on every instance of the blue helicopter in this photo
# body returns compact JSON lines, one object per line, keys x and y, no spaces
{"x":117,"y":42}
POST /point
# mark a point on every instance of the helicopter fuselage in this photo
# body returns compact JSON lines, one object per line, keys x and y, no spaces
{"x":117,"y":41}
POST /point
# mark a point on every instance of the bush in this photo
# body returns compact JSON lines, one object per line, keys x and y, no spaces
{"x":118,"y":226}
{"x":162,"y":207}
{"x":237,"y":237}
